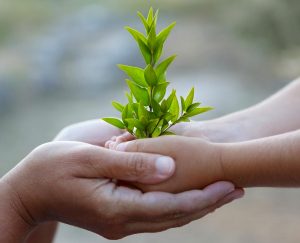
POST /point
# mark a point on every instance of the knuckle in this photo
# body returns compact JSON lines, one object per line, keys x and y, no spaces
{"x":113,"y":235}
{"x":137,"y":165}
{"x":137,"y":146}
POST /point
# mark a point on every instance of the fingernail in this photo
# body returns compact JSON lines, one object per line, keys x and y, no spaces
{"x":165,"y":166}
{"x":238,"y":194}
{"x":122,"y":147}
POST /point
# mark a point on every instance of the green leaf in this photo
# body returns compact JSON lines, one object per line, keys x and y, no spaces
{"x":168,"y":133}
{"x":136,"y":34}
{"x":156,"y":17}
{"x":157,"y":130}
{"x":167,"y":116}
{"x":150,"y":76}
{"x":193,"y":106}
{"x":170,"y":99}
{"x":140,"y":134}
{"x":144,"y":21}
{"x":152,"y":38}
{"x":157,"y":109}
{"x":183,"y":108}
{"x":163,"y":35}
{"x":152,"y":125}
{"x":183,"y":119}
{"x":132,"y":122}
{"x":129,"y":97}
{"x":141,"y":40}
{"x":127,"y":113}
{"x":142,"y":112}
{"x":198,"y":111}
{"x":157,"y":53}
{"x":135,"y":73}
{"x":118,"y":106}
{"x":174,"y":109}
{"x":160,"y":91}
{"x":160,"y":41}
{"x":140,"y":94}
{"x":190,"y":98}
{"x":150,"y":16}
{"x":114,"y":121}
{"x":145,"y":52}
{"x":163,"y":66}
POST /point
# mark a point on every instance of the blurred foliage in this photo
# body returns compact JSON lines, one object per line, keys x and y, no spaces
{"x":272,"y":24}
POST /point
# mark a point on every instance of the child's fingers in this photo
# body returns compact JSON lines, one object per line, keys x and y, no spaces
{"x":154,"y":145}
{"x":125,"y":137}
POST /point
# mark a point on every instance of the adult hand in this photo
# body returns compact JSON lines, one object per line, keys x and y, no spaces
{"x":95,"y":132}
{"x":69,"y":182}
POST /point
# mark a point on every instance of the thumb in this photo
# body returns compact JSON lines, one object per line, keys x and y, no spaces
{"x":134,"y":167}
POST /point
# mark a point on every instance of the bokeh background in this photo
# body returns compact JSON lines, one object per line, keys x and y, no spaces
{"x":58,"y":66}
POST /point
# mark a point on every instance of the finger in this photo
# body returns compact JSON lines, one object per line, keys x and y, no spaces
{"x":153,"y":145}
{"x":155,"y":206}
{"x":125,"y":137}
{"x":120,"y":139}
{"x":163,"y":224}
{"x":134,"y":167}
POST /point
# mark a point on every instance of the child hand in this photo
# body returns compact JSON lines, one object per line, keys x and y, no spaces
{"x":198,"y":162}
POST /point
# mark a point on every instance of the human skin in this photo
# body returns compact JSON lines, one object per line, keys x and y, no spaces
{"x":267,"y":162}
{"x":262,"y":150}
{"x":75,"y":188}
{"x":276,"y":115}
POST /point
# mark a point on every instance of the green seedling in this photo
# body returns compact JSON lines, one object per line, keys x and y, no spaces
{"x":149,"y":113}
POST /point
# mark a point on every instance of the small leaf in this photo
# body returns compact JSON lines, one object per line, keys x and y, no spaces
{"x":174,"y":109}
{"x":144,"y":21}
{"x":150,"y":76}
{"x":157,"y":109}
{"x":145,"y":52}
{"x":142,"y":112}
{"x":150,"y":16}
{"x":160,"y":40}
{"x":163,"y":66}
{"x":129,"y":97}
{"x":160,"y":91}
{"x":118,"y":106}
{"x":152,"y":125}
{"x":127,"y":113}
{"x":198,"y":111}
{"x":135,"y":73}
{"x":135,"y":123}
{"x":136,"y":34}
{"x":140,"y":94}
{"x":163,"y":35}
{"x":183,"y":119}
{"x":182,"y":104}
{"x":157,"y":130}
{"x":170,"y":99}
{"x":157,"y":53}
{"x":190,"y":98}
{"x":193,"y":106}
{"x":114,"y":121}
{"x":168,"y":133}
{"x":152,"y":38}
{"x":140,"y":134}
{"x":156,"y":17}
{"x":141,"y":40}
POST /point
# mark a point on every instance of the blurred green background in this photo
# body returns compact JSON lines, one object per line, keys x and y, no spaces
{"x":58,"y":66}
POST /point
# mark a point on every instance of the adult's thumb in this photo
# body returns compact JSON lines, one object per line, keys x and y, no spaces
{"x":138,"y":167}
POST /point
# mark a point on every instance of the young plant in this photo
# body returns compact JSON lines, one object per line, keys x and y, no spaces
{"x":148,"y":112}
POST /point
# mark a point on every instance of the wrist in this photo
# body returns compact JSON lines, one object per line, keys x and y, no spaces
{"x":208,"y":167}
{"x":15,"y":221}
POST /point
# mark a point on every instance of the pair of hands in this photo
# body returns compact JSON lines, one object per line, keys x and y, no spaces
{"x":73,"y":182}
